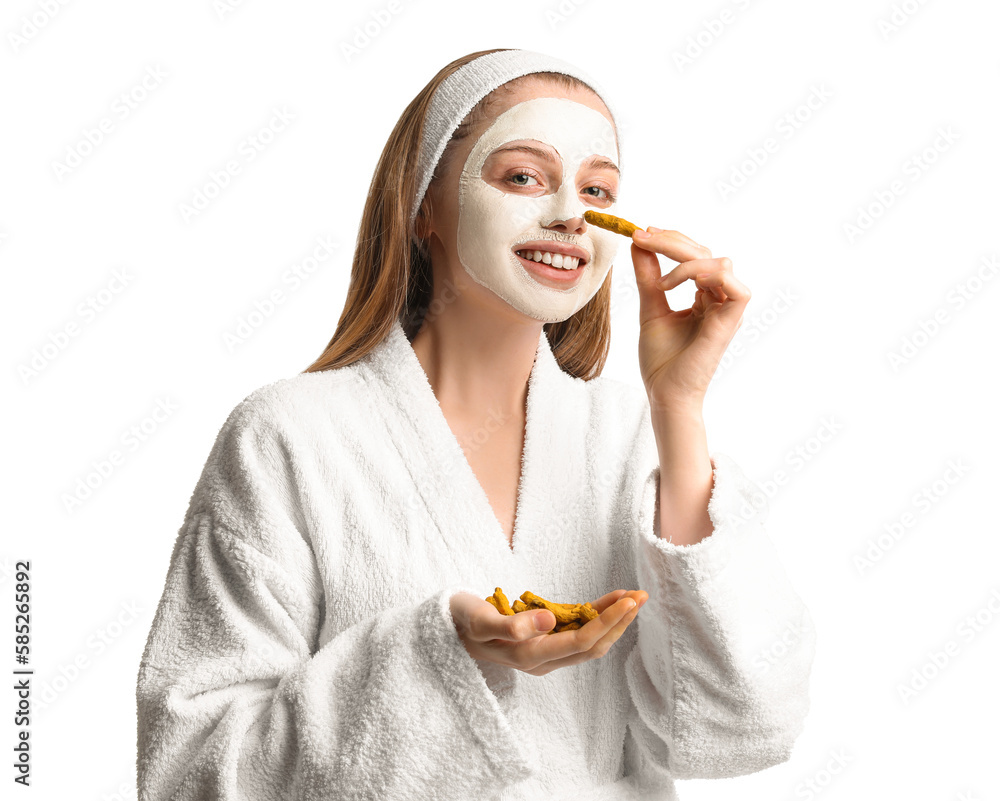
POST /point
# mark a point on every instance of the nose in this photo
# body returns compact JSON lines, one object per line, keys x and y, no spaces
{"x":566,"y":209}
{"x":571,"y":225}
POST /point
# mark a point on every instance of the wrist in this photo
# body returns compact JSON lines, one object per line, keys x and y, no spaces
{"x":686,"y":408}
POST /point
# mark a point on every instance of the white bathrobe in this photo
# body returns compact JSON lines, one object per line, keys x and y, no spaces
{"x":303,"y":647}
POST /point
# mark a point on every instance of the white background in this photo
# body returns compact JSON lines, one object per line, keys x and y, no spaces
{"x":811,"y":370}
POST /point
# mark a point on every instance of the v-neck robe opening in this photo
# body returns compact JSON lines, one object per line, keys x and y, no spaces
{"x":423,"y":411}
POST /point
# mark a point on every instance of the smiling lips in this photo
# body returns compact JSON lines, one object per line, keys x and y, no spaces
{"x":554,"y":254}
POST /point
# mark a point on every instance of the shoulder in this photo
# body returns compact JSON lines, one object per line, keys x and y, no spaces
{"x":266,"y":436}
{"x":294,"y":403}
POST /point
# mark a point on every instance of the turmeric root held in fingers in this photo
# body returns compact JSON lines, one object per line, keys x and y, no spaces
{"x":610,"y":222}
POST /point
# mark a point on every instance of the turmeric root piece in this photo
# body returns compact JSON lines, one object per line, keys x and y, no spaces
{"x":564,"y":612}
{"x":518,"y":606}
{"x":611,"y":223}
{"x":499,"y":600}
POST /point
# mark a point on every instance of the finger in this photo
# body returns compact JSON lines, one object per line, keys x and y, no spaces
{"x":563,"y":644}
{"x":690,"y":269}
{"x":605,"y":601}
{"x":640,"y":597}
{"x":596,"y":646}
{"x":654,"y":230}
{"x":673,"y":245}
{"x":605,"y":642}
{"x":737,"y":295}
{"x":489,"y":624}
{"x":724,"y":281}
{"x":652,"y":301}
{"x":706,"y":283}
{"x":585,"y":637}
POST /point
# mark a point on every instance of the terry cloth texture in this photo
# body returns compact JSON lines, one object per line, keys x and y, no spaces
{"x":461,"y":90}
{"x":303,"y":647}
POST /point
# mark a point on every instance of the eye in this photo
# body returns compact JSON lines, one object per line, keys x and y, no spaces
{"x":514,"y":179}
{"x":608,"y":194}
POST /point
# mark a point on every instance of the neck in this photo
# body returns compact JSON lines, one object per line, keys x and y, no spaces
{"x":477,"y":365}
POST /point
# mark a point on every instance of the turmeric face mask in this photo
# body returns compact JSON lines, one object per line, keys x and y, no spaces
{"x":512,"y":201}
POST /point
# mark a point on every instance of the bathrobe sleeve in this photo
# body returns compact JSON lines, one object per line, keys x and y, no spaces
{"x":237,"y":697}
{"x":720,"y":668}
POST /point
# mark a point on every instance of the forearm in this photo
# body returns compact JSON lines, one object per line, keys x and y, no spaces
{"x":685,"y":474}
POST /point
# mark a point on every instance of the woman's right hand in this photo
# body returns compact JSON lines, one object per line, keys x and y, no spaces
{"x":515,"y":641}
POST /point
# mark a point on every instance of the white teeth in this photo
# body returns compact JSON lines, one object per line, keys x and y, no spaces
{"x":547,"y":257}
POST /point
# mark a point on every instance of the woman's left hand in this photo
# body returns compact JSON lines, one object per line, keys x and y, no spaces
{"x":679,"y":351}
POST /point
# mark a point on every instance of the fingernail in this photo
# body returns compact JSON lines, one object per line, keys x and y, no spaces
{"x":542,"y":622}
{"x":642,"y":234}
{"x":629,"y":605}
{"x":654,"y":229}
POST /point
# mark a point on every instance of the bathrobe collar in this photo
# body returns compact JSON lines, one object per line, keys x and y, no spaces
{"x":447,"y":486}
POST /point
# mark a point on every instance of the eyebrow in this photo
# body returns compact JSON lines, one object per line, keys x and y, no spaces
{"x":545,"y":155}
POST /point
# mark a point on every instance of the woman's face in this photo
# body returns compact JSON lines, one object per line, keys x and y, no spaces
{"x":517,"y":188}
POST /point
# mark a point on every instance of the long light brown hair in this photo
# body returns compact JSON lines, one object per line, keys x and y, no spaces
{"x":391,"y":277}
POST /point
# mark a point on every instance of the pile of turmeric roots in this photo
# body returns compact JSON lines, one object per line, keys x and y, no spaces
{"x":568,"y":616}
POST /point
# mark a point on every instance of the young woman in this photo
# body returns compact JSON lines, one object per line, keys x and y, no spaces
{"x":323,"y":631}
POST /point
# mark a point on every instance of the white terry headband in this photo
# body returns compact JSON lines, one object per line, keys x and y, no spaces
{"x":461,"y":90}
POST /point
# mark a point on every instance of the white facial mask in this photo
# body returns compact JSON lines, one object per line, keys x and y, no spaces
{"x":492,"y":223}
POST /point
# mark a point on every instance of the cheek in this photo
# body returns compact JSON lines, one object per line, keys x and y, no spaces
{"x":606,"y":245}
{"x":495,"y":217}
